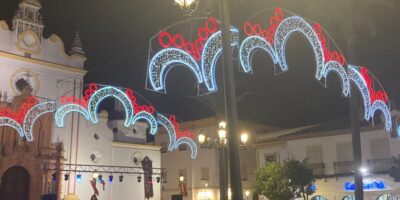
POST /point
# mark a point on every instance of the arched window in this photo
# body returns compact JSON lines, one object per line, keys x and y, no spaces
{"x":319,"y":197}
{"x":387,"y":197}
{"x":348,"y":198}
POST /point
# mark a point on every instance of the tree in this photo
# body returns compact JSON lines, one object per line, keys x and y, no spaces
{"x":292,"y":179}
{"x":272,"y":183}
{"x":301,"y":178}
{"x":395,"y":169}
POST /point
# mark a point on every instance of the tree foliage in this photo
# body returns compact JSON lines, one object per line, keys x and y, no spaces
{"x":395,"y":169}
{"x":292,"y":179}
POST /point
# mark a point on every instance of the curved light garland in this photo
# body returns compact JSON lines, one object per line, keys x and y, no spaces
{"x":369,"y":107}
{"x":380,"y":105}
{"x":190,"y":143}
{"x":289,"y":26}
{"x":211,"y":52}
{"x":33,"y":114}
{"x":6,"y":121}
{"x":110,"y":91}
{"x":164,"y":121}
{"x":61,"y":112}
{"x":249,"y":46}
{"x":334,"y":66}
{"x":357,"y":79}
{"x":149,"y":118}
{"x":164,"y":60}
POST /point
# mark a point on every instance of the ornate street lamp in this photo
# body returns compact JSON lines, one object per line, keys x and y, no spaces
{"x":189,"y":7}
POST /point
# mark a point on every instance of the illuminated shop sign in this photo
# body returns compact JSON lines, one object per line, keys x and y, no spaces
{"x":369,"y":185}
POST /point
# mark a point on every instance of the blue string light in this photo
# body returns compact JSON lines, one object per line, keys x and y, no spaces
{"x":110,"y":91}
{"x":149,"y":118}
{"x":164,"y":121}
{"x":190,"y":143}
{"x":165,"y":60}
{"x":334,"y":66}
{"x":211,"y":52}
{"x":249,"y":46}
{"x":67,"y":108}
{"x":33,"y":114}
{"x":6,"y":121}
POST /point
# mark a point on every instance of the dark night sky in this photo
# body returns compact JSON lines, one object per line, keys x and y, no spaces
{"x":116,"y":33}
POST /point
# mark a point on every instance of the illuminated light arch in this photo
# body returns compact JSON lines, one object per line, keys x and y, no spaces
{"x":110,"y":91}
{"x":190,"y":143}
{"x":380,"y":105}
{"x":334,"y":66}
{"x":149,"y":118}
{"x":164,"y":121}
{"x":356,"y":77}
{"x":165,"y":60}
{"x":283,"y":32}
{"x":211,"y":52}
{"x":6,"y":121}
{"x":33,"y":114}
{"x":249,"y":46}
{"x":67,"y":108}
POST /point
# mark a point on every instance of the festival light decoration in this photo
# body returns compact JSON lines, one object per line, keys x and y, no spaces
{"x":190,"y":143}
{"x":33,"y":114}
{"x":334,"y":66}
{"x":164,"y":121}
{"x":105,"y":92}
{"x":61,"y":112}
{"x":249,"y":46}
{"x":6,"y":121}
{"x":149,"y":118}
{"x":164,"y":60}
{"x":358,"y":76}
{"x":211,"y":52}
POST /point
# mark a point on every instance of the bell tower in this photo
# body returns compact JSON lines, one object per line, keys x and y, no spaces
{"x":28,"y":17}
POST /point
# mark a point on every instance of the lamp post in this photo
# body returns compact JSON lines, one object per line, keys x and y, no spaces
{"x":220,"y":143}
{"x":230,"y":94}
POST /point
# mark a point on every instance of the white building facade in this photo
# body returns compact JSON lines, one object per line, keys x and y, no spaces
{"x":328,"y":150}
{"x":52,"y":73}
{"x":201,"y":175}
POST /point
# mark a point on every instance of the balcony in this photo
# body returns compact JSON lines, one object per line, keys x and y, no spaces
{"x":346,"y":168}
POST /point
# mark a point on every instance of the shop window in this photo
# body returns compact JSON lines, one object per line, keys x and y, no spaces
{"x":318,"y":198}
{"x":387,"y":197}
{"x":348,"y":198}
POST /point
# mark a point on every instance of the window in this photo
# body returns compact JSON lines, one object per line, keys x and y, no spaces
{"x":244,"y":172}
{"x":380,"y":148}
{"x":348,"y":198}
{"x":182,"y":147}
{"x":344,"y":152}
{"x":386,"y":197}
{"x":318,"y":198}
{"x":314,"y":154}
{"x":164,"y":147}
{"x":205,"y":173}
{"x":269,"y":158}
{"x":164,"y":176}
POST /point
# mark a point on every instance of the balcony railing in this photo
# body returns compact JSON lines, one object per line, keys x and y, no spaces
{"x":346,"y":168}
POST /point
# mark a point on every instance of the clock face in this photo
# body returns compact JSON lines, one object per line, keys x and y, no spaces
{"x":29,"y":40}
{"x":29,"y":76}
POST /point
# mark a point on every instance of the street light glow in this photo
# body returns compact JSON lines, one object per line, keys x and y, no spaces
{"x":244,"y":137}
{"x":222,"y":124}
{"x":201,"y":138}
{"x":184,"y":3}
{"x":222,"y":134}
{"x":363,"y":170}
{"x":181,"y":178}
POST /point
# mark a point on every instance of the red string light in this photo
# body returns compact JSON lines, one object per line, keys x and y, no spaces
{"x":374,"y":94}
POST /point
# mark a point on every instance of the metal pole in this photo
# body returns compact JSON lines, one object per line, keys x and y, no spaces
{"x":230,"y":104}
{"x":355,"y":124}
{"x":223,"y":191}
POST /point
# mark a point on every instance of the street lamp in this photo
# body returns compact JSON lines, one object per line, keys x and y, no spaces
{"x":247,"y":193}
{"x":181,"y":179}
{"x":189,"y":7}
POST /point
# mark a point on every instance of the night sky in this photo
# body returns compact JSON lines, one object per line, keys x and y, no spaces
{"x":116,"y":34}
